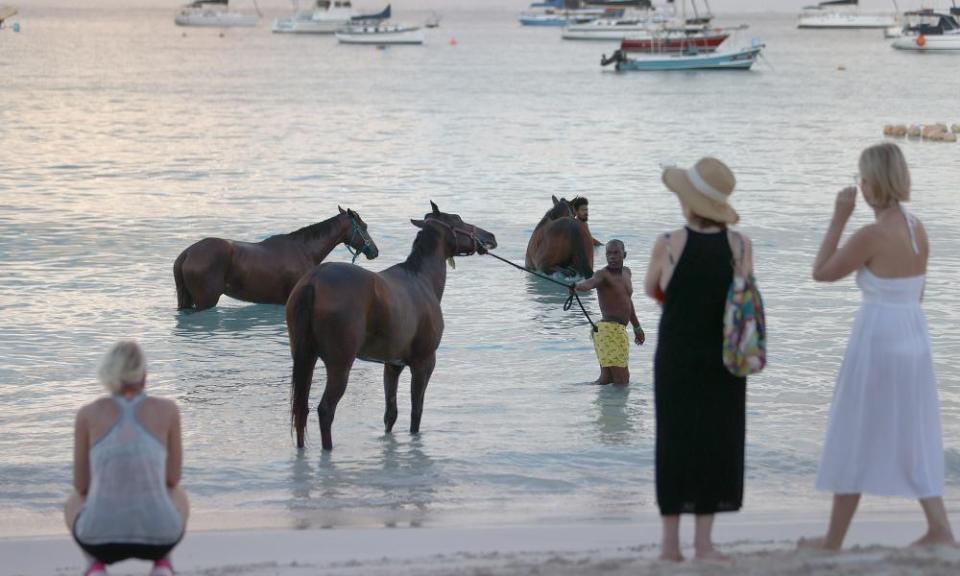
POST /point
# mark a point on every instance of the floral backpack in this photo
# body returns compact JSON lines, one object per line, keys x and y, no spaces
{"x":744,"y":325}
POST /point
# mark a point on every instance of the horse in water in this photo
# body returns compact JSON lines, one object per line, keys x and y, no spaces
{"x":561,"y":243}
{"x":264,"y":272}
{"x":340,"y":312}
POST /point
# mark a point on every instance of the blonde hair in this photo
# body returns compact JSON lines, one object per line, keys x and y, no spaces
{"x":885,"y":169}
{"x":123,"y":366}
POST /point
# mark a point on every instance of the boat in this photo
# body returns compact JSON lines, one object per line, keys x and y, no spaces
{"x":433,"y":21}
{"x":324,"y":17}
{"x":733,"y":59}
{"x":611,"y":28}
{"x":216,"y":14}
{"x":842,"y":14}
{"x":379,"y":34}
{"x":929,"y":31}
{"x":560,"y":13}
{"x":676,"y":41}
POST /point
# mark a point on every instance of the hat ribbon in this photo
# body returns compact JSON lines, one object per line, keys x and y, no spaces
{"x":703,"y":187}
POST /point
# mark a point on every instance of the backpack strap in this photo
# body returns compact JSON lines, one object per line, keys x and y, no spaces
{"x":737,"y":263}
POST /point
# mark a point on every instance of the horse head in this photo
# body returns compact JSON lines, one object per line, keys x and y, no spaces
{"x":561,"y":209}
{"x":359,"y":239}
{"x":463,"y":238}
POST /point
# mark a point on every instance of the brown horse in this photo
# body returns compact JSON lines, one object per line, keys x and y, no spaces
{"x":340,"y":312}
{"x":264,"y":272}
{"x":561,"y":243}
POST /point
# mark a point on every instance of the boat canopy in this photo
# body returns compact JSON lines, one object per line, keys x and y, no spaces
{"x":200,"y":3}
{"x":931,"y":23}
{"x":382,"y":15}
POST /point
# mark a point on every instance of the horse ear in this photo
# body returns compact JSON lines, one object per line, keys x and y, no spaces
{"x":418,"y":223}
{"x":342,"y":211}
{"x":555,"y":201}
{"x":350,"y":212}
{"x":434,"y":206}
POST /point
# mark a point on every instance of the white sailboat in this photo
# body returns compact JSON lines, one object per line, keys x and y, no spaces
{"x":324,"y":17}
{"x":841,"y":14}
{"x":215,"y":14}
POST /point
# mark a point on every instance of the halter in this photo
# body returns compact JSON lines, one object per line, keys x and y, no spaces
{"x":367,"y":242}
{"x":470,"y":233}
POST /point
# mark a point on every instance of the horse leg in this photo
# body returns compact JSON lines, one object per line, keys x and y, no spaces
{"x":420,"y":377}
{"x":337,"y":376}
{"x":391,"y":376}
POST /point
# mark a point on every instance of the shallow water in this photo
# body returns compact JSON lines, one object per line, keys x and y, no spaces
{"x":124,"y":141}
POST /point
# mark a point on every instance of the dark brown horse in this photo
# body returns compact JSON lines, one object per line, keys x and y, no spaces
{"x":561,"y":243}
{"x":263,"y":272}
{"x":340,"y":312}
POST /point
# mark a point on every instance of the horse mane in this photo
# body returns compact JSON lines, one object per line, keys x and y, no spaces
{"x":314,"y":230}
{"x":424,"y":245}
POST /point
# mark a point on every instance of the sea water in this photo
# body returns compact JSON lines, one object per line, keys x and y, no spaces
{"x":125,"y":139}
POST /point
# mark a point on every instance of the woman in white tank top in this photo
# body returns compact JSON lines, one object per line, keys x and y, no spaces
{"x":883,"y":437}
{"x":127,"y":501}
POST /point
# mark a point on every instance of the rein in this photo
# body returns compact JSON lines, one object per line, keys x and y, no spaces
{"x":365,"y":237}
{"x":573,"y":293}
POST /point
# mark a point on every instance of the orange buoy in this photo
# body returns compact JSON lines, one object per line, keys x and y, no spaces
{"x":921,"y":40}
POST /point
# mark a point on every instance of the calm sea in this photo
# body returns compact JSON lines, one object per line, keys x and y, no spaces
{"x":125,"y":139}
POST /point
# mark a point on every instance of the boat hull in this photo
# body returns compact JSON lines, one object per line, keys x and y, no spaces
{"x":840,"y":21}
{"x":306,"y":26}
{"x":930,"y":43}
{"x":738,"y":60}
{"x":672,"y":45}
{"x":414,"y":36}
{"x":217,"y":20}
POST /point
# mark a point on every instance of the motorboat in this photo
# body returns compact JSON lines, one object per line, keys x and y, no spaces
{"x":323,"y":17}
{"x":379,"y":34}
{"x":675,"y":41}
{"x":732,"y":59}
{"x":215,"y":14}
{"x":929,"y":31}
{"x":560,"y":13}
{"x":842,"y":14}
{"x":611,"y":28}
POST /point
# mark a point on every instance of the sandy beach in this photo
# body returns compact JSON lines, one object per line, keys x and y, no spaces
{"x":875,"y":547}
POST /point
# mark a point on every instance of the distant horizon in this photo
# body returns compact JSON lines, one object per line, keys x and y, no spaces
{"x":718,"y":6}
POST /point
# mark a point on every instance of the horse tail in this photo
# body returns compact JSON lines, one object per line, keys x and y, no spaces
{"x":184,"y":299}
{"x":304,"y":352}
{"x":581,"y":249}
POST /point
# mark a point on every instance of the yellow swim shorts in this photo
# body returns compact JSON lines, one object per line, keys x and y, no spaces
{"x":612,"y":344}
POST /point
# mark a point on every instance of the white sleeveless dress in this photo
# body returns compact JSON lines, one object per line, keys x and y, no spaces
{"x":884,"y":435}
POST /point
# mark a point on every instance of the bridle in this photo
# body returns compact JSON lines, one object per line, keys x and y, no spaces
{"x":367,"y":241}
{"x":471,"y":233}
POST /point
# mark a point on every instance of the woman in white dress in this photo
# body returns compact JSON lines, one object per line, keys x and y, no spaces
{"x":883,"y":437}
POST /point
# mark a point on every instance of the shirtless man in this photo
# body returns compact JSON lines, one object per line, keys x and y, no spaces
{"x":615,"y":290}
{"x":581,"y":207}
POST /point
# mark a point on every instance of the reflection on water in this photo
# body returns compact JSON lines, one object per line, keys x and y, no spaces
{"x":237,"y":321}
{"x":614,"y":422}
{"x":394,"y":489}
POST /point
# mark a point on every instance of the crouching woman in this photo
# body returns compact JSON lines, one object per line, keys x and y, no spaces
{"x":127,"y":501}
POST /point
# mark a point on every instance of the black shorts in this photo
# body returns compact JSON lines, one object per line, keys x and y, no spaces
{"x":116,"y":552}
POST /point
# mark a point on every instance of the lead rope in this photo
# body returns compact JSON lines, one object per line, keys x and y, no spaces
{"x":573,"y":293}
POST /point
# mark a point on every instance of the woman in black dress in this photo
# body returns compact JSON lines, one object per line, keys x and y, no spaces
{"x":700,"y":406}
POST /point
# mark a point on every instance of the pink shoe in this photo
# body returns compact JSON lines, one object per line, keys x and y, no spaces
{"x":96,"y":568}
{"x":162,"y":567}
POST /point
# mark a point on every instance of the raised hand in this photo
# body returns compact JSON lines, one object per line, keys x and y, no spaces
{"x":846,"y":202}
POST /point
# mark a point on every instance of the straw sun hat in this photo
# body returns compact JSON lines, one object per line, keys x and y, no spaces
{"x":705,"y":188}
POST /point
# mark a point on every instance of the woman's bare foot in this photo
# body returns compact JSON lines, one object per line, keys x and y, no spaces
{"x":671,"y":556}
{"x":711,"y":554}
{"x":936,"y":539}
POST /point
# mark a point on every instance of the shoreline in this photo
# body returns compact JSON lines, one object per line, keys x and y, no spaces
{"x":875,"y":545}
